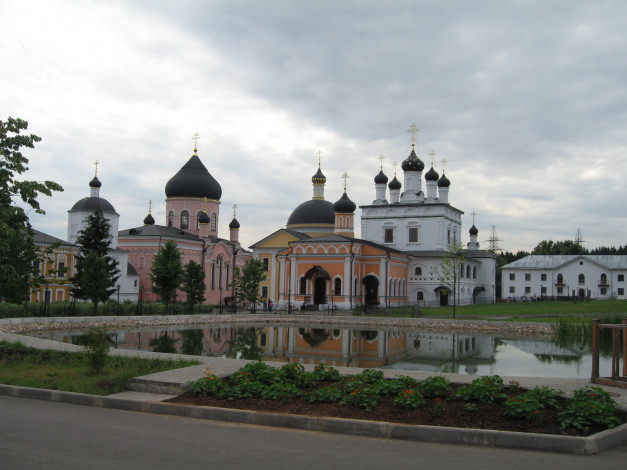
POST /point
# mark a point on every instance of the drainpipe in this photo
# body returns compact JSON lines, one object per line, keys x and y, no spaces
{"x":387,"y":282}
{"x":351,"y":282}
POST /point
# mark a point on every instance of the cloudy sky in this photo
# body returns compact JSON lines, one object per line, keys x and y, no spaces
{"x":526,"y":100}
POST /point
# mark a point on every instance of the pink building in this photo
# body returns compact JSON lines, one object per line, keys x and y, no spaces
{"x":192,"y":221}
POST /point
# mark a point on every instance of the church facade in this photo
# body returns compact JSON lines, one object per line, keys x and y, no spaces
{"x":405,"y":232}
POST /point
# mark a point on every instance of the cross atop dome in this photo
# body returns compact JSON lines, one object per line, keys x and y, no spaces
{"x":96,"y":172}
{"x":413,"y":130}
{"x":195,"y":139}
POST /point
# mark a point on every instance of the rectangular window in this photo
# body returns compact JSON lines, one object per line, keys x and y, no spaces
{"x":61,"y":270}
{"x":448,"y":236}
{"x":543,"y":277}
{"x":527,"y":277}
{"x":621,"y":291}
{"x":388,"y":235}
{"x":264,"y":291}
{"x":413,"y":235}
{"x":512,"y":289}
{"x":543,"y":290}
{"x":621,"y":278}
{"x":527,"y":290}
{"x":603,"y":291}
{"x":560,"y":290}
{"x":265,"y":263}
{"x":512,"y":277}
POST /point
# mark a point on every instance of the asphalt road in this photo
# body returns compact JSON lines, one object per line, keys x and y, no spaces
{"x":42,"y":435}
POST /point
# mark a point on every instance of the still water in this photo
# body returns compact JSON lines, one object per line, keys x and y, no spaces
{"x":388,"y":349}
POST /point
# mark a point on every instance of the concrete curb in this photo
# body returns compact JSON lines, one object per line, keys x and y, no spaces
{"x":436,"y":434}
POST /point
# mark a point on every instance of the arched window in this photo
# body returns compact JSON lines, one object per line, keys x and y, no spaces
{"x":418,"y":271}
{"x":560,"y":279}
{"x":461,"y":270}
{"x":141,"y":263}
{"x":337,"y":286}
{"x":421,"y":296}
{"x":213,"y":222}
{"x":303,"y":285}
{"x":468,"y":271}
{"x":474,"y":272}
{"x":220,"y":273}
{"x":184,"y":220}
{"x":355,"y":289}
{"x":198,"y":220}
{"x":582,"y":279}
{"x":213,"y":275}
{"x":228,"y":271}
{"x":171,"y":219}
{"x":603,"y":278}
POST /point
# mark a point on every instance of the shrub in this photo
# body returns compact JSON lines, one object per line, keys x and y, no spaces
{"x":529,"y":405}
{"x":370,"y":376}
{"x":257,"y":372}
{"x":409,"y":398}
{"x":435,"y":386}
{"x":324,"y":395}
{"x":364,"y":397}
{"x":485,"y":389}
{"x":211,"y":385}
{"x":280,"y":391}
{"x":96,"y":344}
{"x":323,"y":372}
{"x":589,"y":405}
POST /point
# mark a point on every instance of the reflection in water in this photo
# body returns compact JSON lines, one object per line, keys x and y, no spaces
{"x":394,"y":349}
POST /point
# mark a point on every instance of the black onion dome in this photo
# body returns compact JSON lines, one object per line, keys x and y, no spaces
{"x":203,"y":218}
{"x":193,"y":180}
{"x":443,"y":182}
{"x":92,"y":204}
{"x":380,"y":178}
{"x":413,"y":163}
{"x":234,"y":223}
{"x":432,"y":175}
{"x":315,"y":211}
{"x":319,"y":177}
{"x":344,"y":204}
{"x":473,"y":230}
{"x":149,"y":220}
{"x":95,"y":183}
{"x":394,"y":184}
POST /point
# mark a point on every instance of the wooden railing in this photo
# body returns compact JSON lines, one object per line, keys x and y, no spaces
{"x":616,"y":379}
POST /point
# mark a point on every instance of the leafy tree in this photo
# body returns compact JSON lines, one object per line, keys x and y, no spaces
{"x":566,"y":247}
{"x":247,"y":281}
{"x":18,"y":253}
{"x":194,"y":284}
{"x":167,"y":273}
{"x":449,"y":269}
{"x":96,"y":271}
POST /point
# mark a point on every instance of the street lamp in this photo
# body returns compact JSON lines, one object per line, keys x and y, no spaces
{"x":118,"y":289}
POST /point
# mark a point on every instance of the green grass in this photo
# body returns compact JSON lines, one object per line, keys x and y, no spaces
{"x":523,"y":312}
{"x":66,"y":371}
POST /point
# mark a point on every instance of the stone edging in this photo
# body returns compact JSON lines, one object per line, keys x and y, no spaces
{"x":530,"y":441}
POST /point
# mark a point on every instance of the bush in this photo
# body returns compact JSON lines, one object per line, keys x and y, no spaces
{"x":529,"y":405}
{"x":590,"y":405}
{"x":96,"y":344}
{"x":409,"y":398}
{"x":485,"y":389}
{"x":435,"y":386}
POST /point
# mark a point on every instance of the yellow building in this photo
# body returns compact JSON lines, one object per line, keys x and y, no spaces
{"x":56,"y":264}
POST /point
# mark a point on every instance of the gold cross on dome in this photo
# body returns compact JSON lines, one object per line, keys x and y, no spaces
{"x":345,"y":177}
{"x":432,"y":155}
{"x":413,"y":130}
{"x":195,"y":139}
{"x":150,"y":206}
{"x":381,"y":158}
{"x":204,"y":204}
{"x":96,"y":163}
{"x":444,"y":162}
{"x":395,"y":165}
{"x":319,"y":157}
{"x":234,"y":210}
{"x":473,"y":213}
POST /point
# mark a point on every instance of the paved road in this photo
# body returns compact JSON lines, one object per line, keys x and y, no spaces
{"x":44,"y":435}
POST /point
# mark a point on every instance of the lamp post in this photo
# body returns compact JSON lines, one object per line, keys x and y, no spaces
{"x":118,"y":289}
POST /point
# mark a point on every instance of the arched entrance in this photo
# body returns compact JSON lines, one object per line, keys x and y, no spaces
{"x":371,"y":289}
{"x":443,"y":294}
{"x":320,"y":290}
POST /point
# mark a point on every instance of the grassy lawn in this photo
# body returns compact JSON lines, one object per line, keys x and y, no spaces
{"x":60,"y":370}
{"x":524,"y":312}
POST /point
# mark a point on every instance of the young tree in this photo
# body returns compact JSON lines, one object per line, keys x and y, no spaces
{"x":18,"y":253}
{"x":247,"y":281}
{"x":167,"y":273}
{"x":194,"y":284}
{"x":96,"y":271}
{"x":449,"y":269}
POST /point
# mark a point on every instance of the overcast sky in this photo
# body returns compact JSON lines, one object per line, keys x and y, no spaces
{"x":526,"y":100}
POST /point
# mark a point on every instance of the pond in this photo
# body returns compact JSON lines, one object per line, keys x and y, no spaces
{"x":474,"y":354}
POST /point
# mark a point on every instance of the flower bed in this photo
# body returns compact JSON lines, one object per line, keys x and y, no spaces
{"x":486,"y":403}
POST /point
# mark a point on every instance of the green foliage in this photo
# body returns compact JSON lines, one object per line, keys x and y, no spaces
{"x":18,"y":253}
{"x":410,"y":398}
{"x":194,"y":284}
{"x":96,"y":344}
{"x":449,"y":269}
{"x":163,"y":344}
{"x":484,"y":389}
{"x":436,"y":386}
{"x":192,"y":342}
{"x":96,"y":271}
{"x":324,"y":395}
{"x":167,"y":272}
{"x":370,"y":376}
{"x":363,"y":397}
{"x":590,"y":405}
{"x":291,"y":370}
{"x":529,"y":405}
{"x":257,"y":371}
{"x":325,"y":373}
{"x":281,"y":391}
{"x":247,"y":281}
{"x":566,"y":247}
{"x":387,"y":387}
{"x":209,"y":386}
